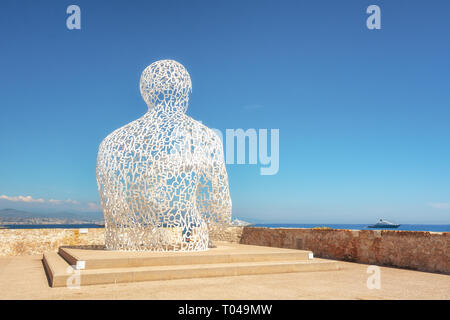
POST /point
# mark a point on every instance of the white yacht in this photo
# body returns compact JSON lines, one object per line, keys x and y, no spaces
{"x":239,"y":223}
{"x":384,"y":224}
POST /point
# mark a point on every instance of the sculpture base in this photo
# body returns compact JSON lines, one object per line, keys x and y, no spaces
{"x":99,"y":266}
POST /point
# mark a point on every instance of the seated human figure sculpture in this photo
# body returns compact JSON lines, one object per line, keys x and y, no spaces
{"x":162,"y":179}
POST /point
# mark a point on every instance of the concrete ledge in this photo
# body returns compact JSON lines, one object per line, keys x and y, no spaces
{"x":108,"y":267}
{"x":224,"y":253}
{"x":135,"y":274}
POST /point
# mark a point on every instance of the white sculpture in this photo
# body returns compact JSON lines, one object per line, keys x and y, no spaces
{"x":162,"y":179}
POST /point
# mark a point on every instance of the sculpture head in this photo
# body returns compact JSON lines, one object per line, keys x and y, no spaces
{"x":165,"y":86}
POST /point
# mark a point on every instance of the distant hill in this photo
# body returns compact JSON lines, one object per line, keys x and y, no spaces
{"x":13,"y":216}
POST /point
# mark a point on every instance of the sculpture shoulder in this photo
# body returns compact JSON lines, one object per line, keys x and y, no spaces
{"x":207,"y":136}
{"x":122,"y":134}
{"x":152,"y":132}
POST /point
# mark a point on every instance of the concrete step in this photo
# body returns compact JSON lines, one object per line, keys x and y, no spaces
{"x":59,"y":270}
{"x":224,"y":253}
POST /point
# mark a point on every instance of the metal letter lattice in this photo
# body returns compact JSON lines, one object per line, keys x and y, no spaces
{"x":162,"y":179}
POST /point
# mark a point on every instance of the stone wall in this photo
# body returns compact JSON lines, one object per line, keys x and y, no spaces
{"x":17,"y":242}
{"x":230,"y":234}
{"x":425,"y":251}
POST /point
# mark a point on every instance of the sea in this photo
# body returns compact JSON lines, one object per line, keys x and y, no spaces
{"x":404,"y":227}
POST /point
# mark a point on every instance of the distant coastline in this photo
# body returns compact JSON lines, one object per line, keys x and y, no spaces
{"x":13,"y":217}
{"x":52,"y":226}
{"x":404,"y":227}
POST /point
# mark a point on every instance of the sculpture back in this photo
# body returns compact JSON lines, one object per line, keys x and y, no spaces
{"x":162,"y":179}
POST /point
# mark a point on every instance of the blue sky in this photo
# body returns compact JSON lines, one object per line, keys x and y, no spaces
{"x":364,"y":115}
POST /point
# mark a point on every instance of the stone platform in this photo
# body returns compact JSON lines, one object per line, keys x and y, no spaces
{"x":99,"y":266}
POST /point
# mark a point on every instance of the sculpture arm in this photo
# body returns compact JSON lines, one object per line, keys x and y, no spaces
{"x":214,"y":201}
